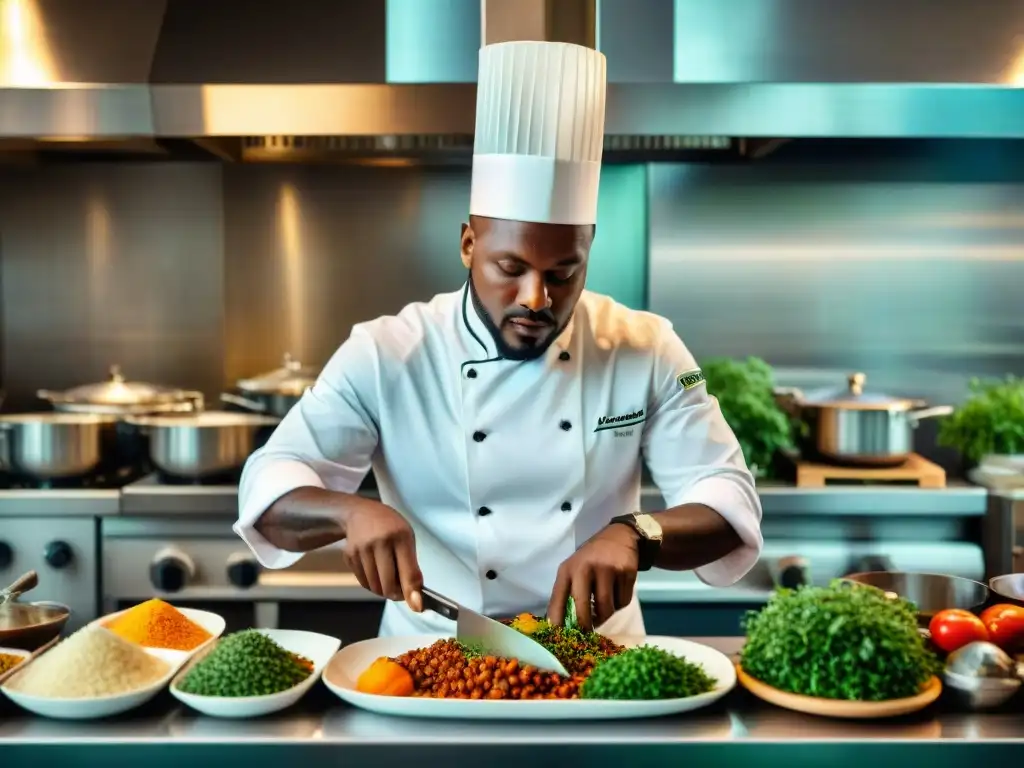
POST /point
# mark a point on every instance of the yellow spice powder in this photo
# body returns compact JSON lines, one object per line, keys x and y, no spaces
{"x":156,"y":624}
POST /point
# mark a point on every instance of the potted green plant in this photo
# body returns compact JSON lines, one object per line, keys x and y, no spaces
{"x":990,"y":422}
{"x":745,"y":392}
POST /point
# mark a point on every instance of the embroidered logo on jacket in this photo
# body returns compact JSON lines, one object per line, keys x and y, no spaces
{"x":691,"y":379}
{"x":624,"y":420}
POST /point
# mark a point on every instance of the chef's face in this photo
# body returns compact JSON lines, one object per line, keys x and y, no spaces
{"x":526,"y":279}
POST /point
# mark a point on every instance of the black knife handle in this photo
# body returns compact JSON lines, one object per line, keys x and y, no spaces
{"x":440,"y":604}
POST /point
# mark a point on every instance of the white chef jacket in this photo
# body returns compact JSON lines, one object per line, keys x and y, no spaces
{"x":504,"y":468}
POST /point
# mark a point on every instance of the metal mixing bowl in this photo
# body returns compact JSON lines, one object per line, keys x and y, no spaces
{"x":29,"y":626}
{"x":930,"y":592}
{"x":1008,"y":588}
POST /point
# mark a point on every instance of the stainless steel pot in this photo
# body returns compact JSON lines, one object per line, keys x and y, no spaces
{"x":50,"y":446}
{"x":118,"y":397}
{"x":930,"y":592}
{"x":854,"y":427}
{"x":275,"y":392}
{"x":202,"y":444}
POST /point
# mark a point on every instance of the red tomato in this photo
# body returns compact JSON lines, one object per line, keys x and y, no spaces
{"x":1005,"y":625}
{"x":955,"y":628}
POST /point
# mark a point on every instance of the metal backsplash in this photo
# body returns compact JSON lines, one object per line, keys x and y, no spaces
{"x":312,"y":250}
{"x":111,"y":264}
{"x":197,"y":275}
{"x":911,"y":272}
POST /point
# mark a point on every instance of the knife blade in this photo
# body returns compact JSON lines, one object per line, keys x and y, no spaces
{"x":492,"y":637}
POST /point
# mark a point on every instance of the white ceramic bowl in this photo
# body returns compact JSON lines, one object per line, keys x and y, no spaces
{"x":101,"y":706}
{"x":105,"y":706}
{"x":316,"y":647}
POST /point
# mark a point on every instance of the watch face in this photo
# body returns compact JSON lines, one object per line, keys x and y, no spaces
{"x":648,"y":526}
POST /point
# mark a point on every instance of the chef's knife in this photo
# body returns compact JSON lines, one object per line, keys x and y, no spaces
{"x":492,"y":637}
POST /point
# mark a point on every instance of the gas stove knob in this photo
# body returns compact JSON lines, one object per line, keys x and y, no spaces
{"x":58,"y":554}
{"x":6,"y":555}
{"x":794,"y":572}
{"x":171,"y":570}
{"x":243,"y":571}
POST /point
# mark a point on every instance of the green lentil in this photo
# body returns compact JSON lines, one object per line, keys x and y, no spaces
{"x":245,"y":663}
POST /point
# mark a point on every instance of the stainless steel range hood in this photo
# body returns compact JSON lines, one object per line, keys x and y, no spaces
{"x":387,"y":73}
{"x":815,"y":68}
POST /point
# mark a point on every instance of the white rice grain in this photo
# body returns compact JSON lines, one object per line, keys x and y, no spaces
{"x":91,"y":663}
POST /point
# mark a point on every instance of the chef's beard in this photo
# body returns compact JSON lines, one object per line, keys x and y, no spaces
{"x":504,"y":350}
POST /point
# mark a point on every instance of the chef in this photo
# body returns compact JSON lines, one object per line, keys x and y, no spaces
{"x":506,"y":422}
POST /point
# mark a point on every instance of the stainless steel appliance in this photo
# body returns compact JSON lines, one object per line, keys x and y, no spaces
{"x":274,"y":393}
{"x":852,"y":426}
{"x":55,"y":532}
{"x":402,"y":73}
{"x":46,"y":446}
{"x":176,"y":541}
{"x":119,"y":397}
{"x":202,"y":445}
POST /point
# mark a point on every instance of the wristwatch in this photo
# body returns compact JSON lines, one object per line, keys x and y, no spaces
{"x":648,"y":534}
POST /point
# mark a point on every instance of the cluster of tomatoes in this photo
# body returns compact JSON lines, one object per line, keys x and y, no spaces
{"x":1001,"y":624}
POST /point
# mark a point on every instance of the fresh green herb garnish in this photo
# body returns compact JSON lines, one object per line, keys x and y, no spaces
{"x":471,"y":650}
{"x":991,"y":420}
{"x":746,"y":394}
{"x":572,"y":647}
{"x":646,"y":672}
{"x":843,"y":641}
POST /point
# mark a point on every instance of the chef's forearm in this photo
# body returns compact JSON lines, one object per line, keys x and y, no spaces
{"x":306,"y":519}
{"x":693,"y":535}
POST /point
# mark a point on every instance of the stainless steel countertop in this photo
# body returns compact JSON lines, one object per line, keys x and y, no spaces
{"x":321,"y":719}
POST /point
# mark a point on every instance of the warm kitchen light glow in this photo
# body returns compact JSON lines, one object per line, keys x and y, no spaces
{"x":1015,"y":72}
{"x":97,"y":253}
{"x":25,"y":58}
{"x":289,"y":226}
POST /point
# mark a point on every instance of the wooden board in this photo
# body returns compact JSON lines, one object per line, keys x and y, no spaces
{"x":917,"y":470}
{"x":859,"y":710}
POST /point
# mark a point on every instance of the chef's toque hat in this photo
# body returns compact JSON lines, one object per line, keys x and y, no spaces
{"x":539,"y":132}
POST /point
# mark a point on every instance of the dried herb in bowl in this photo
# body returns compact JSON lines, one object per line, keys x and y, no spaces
{"x":844,"y":641}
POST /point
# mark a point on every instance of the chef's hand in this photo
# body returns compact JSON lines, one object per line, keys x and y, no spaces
{"x":381,"y":550}
{"x":604,"y":567}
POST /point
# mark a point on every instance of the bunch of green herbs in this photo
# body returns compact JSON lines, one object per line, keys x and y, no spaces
{"x":843,"y":641}
{"x":990,"y":421}
{"x":746,"y":394}
{"x":646,"y":672}
{"x":246,"y":663}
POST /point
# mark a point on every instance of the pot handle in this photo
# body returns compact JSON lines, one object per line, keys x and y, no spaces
{"x":929,"y":413}
{"x":243,"y":402}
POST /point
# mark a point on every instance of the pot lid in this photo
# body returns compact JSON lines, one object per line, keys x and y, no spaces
{"x":116,"y":391}
{"x":293,"y":378}
{"x":853,"y":396}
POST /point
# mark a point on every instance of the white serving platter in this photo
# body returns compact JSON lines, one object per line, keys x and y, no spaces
{"x":316,"y":647}
{"x":106,"y":706}
{"x":350,"y":662}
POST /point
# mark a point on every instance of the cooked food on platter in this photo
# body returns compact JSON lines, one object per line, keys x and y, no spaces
{"x":598,"y":669}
